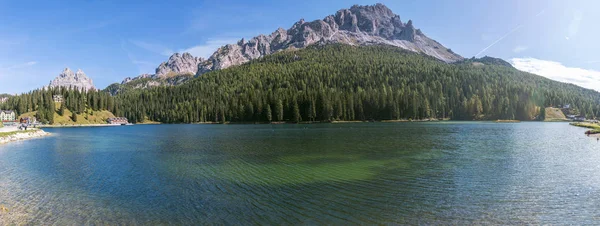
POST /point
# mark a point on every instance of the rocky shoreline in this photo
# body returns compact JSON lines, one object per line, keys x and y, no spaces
{"x":22,"y":135}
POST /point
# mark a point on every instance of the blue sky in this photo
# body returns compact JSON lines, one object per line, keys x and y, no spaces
{"x":111,"y":40}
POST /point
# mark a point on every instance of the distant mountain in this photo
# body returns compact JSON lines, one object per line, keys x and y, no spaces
{"x":358,"y":26}
{"x":343,"y":82}
{"x":4,"y":97}
{"x":68,"y":79}
{"x":178,"y":65}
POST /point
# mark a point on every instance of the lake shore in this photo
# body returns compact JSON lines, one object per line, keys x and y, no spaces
{"x":9,"y":134}
{"x":595,"y":128}
{"x":77,"y":125}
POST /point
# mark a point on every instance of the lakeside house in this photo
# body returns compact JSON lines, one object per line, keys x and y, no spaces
{"x":118,"y":121}
{"x":8,"y":115}
{"x":3,"y":99}
{"x":57,"y":98}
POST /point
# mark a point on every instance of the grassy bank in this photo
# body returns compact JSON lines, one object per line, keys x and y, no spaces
{"x":88,"y":117}
{"x":595,"y":128}
{"x":554,"y":115}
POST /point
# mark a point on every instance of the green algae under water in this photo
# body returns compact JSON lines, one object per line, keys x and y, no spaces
{"x":366,"y":173}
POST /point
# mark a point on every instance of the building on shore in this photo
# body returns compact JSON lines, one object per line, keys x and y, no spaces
{"x":57,"y":98}
{"x":8,"y":115}
{"x":3,"y":99}
{"x":118,"y":121}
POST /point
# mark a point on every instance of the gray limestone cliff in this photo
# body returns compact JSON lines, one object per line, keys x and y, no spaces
{"x":68,"y":79}
{"x":359,"y":25}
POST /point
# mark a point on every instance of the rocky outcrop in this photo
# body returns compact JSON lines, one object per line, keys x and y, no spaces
{"x":178,"y":69}
{"x":68,"y":79}
{"x":178,"y":64}
{"x":23,"y":135}
{"x":130,"y":79}
{"x":359,"y":25}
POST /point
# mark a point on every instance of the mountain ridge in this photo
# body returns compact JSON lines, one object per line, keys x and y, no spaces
{"x":359,"y":25}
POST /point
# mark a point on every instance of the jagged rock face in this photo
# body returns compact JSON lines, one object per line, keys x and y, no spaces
{"x":130,"y":79}
{"x":178,"y":69}
{"x":68,"y":79}
{"x":359,"y":25}
{"x":178,"y":64}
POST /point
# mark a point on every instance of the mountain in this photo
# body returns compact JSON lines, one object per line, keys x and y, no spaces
{"x":344,"y":82}
{"x":178,"y":65}
{"x":358,"y":26}
{"x":4,"y":97}
{"x":74,"y":80}
{"x":177,"y":70}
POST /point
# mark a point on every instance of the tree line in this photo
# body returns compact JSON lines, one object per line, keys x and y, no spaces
{"x":340,"y":82}
{"x":41,"y":101}
{"x":331,"y":82}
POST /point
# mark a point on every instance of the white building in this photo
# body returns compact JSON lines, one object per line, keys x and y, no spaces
{"x":7,"y":116}
{"x":57,"y":98}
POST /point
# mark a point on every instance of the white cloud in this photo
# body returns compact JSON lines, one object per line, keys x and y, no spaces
{"x":556,"y":71}
{"x":155,"y":48}
{"x":519,"y":49}
{"x":208,"y":48}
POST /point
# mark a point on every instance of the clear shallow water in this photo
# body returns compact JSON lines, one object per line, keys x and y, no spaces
{"x":367,"y":173}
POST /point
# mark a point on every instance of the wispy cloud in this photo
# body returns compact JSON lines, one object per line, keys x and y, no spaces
{"x":556,"y":71}
{"x":574,"y":25}
{"x":208,"y":48}
{"x":15,"y":68}
{"x":22,"y":65}
{"x":143,"y":66}
{"x":509,"y":33}
{"x":519,"y":49}
{"x":92,"y":26}
{"x":155,"y":48}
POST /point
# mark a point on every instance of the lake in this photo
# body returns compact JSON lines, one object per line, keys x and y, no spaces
{"x":341,"y":174}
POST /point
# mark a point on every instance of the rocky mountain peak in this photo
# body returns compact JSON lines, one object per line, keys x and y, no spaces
{"x":359,"y":25}
{"x":68,"y":79}
{"x":178,"y":64}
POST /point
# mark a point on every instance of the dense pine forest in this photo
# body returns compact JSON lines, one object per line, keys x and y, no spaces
{"x":76,"y":101}
{"x":340,"y":82}
{"x":333,"y":82}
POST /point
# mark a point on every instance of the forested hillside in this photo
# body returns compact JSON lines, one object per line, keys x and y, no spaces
{"x":341,"y":82}
{"x":41,"y":104}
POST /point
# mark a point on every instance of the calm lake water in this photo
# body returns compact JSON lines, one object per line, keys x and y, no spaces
{"x":366,"y":173}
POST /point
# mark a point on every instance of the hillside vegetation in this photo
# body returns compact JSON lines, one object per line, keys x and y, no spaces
{"x":90,"y":107}
{"x":326,"y":83}
{"x":554,"y":115}
{"x":87,"y":117}
{"x":341,"y":82}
